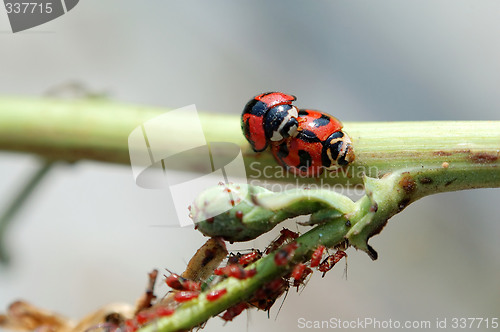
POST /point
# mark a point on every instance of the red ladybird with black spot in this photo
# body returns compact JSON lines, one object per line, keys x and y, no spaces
{"x":269,"y":117}
{"x":319,"y":144}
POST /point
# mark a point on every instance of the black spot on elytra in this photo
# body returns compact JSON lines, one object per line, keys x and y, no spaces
{"x":283,"y":150}
{"x":303,"y":112}
{"x":337,"y":134}
{"x":255,"y":107}
{"x":246,"y":128}
{"x":323,"y":120}
{"x":308,"y":136}
{"x":305,"y":159}
{"x":326,"y":162}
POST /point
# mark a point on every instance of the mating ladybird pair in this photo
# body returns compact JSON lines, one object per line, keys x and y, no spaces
{"x":303,"y":141}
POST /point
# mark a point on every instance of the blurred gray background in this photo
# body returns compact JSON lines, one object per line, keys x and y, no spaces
{"x":86,"y":236}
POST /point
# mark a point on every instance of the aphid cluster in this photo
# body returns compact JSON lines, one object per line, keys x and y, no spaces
{"x":264,"y":298}
{"x":186,"y":287}
{"x":144,"y":317}
{"x":239,"y":266}
{"x":303,"y":141}
{"x":283,"y":248}
{"x":235,"y":271}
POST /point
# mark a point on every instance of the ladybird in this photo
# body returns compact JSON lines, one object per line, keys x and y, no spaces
{"x":319,"y":144}
{"x":269,"y":117}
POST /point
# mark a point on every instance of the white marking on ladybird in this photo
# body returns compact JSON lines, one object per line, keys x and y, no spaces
{"x":292,"y":132}
{"x":292,"y":113}
{"x":276,"y":134}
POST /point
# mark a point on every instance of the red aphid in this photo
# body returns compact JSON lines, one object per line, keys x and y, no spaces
{"x":163,"y":312}
{"x":298,"y":270}
{"x":286,"y":235}
{"x":299,"y":274}
{"x":177,"y":282}
{"x":131,"y":325}
{"x":317,"y":255}
{"x":330,"y":261}
{"x":285,"y":254}
{"x":266,"y":296}
{"x":235,"y":271}
{"x":216,"y":294}
{"x":142,"y":318}
{"x":249,"y":258}
{"x":234,"y":311}
{"x":185,"y":296}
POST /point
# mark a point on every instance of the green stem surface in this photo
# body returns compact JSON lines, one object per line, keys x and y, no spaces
{"x":98,"y":129}
{"x":199,"y":310}
{"x":17,"y":202}
{"x":397,"y":162}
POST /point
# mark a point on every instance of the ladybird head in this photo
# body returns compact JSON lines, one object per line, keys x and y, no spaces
{"x":337,"y":151}
{"x":347,"y":156}
{"x":269,"y":116}
{"x":281,"y":122}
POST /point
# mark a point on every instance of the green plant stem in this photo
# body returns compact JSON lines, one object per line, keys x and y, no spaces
{"x":97,"y":129}
{"x":17,"y":202}
{"x":196,"y":312}
{"x":398,"y":162}
{"x":385,"y":197}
